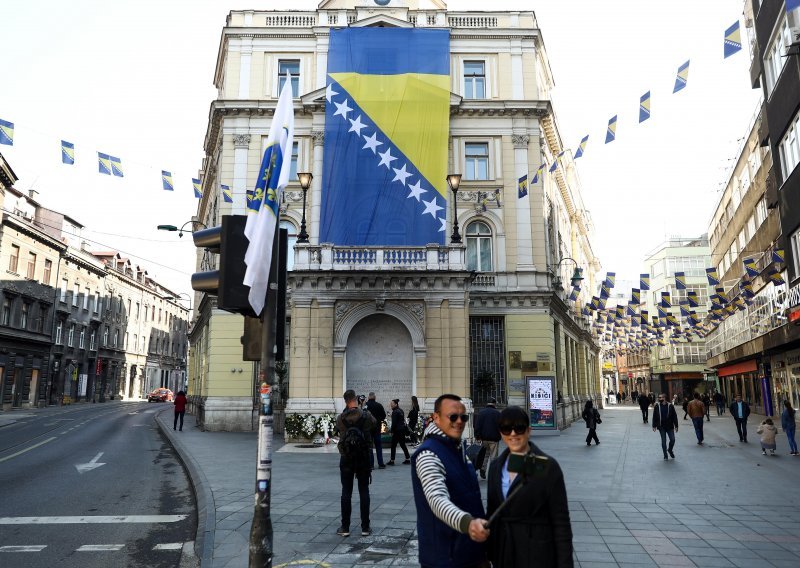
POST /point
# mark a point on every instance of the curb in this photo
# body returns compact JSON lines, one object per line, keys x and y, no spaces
{"x":206,"y":512}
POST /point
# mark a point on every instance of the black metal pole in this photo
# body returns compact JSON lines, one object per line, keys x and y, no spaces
{"x":456,"y":236}
{"x":302,"y":237}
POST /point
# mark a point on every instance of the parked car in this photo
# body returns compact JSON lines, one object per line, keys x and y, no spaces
{"x":160,"y":395}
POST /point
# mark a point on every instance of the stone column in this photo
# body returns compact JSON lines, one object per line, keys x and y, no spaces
{"x":315,"y":197}
{"x":241,"y":147}
{"x":245,"y":58}
{"x":522,"y":206}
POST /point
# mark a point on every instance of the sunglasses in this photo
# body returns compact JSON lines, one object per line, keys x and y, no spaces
{"x":454,"y":418}
{"x":518,"y":429}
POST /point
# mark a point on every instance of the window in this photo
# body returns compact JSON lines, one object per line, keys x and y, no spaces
{"x":116,"y":338}
{"x":761,"y":211}
{"x":751,"y":225}
{"x":6,"y":315}
{"x":775,"y":59}
{"x":794,"y":240}
{"x":63,"y":290}
{"x":125,"y":344}
{"x":479,"y":247}
{"x":44,"y":311}
{"x":48,"y":269}
{"x":476,"y":161}
{"x":59,"y":330}
{"x":789,"y":148}
{"x":293,"y":67}
{"x":742,"y":238}
{"x":292,"y":240}
{"x":92,"y":338}
{"x":295,"y":156}
{"x":13,"y":260}
{"x":105,"y":337}
{"x":86,"y":294}
{"x":26,"y":310}
{"x":97,"y":306}
{"x":82,"y":338}
{"x":137,"y":310}
{"x":31,"y":272}
{"x":71,"y":335}
{"x":119,"y":304}
{"x":474,"y":79}
{"x":135,"y":342}
{"x":159,"y":315}
{"x":76,"y":291}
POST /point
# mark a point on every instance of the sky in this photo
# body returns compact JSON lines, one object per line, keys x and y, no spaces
{"x":134,"y":80}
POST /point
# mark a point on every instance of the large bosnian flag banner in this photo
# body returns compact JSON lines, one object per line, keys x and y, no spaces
{"x":386,"y":130}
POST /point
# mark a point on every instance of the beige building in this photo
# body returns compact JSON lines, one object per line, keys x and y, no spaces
{"x":475,"y":318}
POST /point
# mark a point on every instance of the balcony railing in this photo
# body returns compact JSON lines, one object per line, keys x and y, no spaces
{"x":331,"y":257}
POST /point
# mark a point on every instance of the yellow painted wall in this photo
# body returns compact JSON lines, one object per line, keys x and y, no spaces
{"x":225,"y":344}
{"x":531,"y":334}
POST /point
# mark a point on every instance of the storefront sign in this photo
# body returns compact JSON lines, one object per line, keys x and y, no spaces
{"x":541,"y":403}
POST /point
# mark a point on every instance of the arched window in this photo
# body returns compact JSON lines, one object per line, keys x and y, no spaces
{"x":289,"y":226}
{"x":479,"y":247}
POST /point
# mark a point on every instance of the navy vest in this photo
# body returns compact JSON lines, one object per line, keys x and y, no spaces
{"x":439,"y":545}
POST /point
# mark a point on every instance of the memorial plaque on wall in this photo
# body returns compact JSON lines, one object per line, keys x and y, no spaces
{"x":544,"y":366}
{"x":516,"y":386}
{"x":514,"y":359}
{"x":530,"y":366}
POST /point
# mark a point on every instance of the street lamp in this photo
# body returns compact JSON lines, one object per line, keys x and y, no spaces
{"x":180,"y":296}
{"x":305,"y":182}
{"x":454,"y":180}
{"x":173,"y":228}
{"x":577,"y":276}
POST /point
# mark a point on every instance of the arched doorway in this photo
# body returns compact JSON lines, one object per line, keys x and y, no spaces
{"x":380,"y":359}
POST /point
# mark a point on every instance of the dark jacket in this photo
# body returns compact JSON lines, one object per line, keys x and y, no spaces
{"x":376,"y":409}
{"x":398,"y":421}
{"x":644,"y":402}
{"x":787,"y":420}
{"x":591,"y":416}
{"x":350,"y":417}
{"x":735,"y":410}
{"x":413,"y":416}
{"x":535,"y":524}
{"x":672,"y":417}
{"x":487,"y":424}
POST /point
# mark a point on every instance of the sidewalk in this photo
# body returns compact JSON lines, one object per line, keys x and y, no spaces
{"x":720,"y":504}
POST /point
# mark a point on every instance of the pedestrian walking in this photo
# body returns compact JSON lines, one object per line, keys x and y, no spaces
{"x":685,"y":406}
{"x":487,"y":432}
{"x":413,"y":418}
{"x":644,"y":406}
{"x":376,"y":409}
{"x":592,"y":418}
{"x":534,"y":528}
{"x":768,"y":432}
{"x":399,"y":429}
{"x":665,"y":420}
{"x":740,"y":410}
{"x":707,"y":404}
{"x":180,"y":409}
{"x":697,"y":411}
{"x":719,"y":400}
{"x":634,"y":397}
{"x":355,"y":435}
{"x":451,"y":524}
{"x":788,"y":424}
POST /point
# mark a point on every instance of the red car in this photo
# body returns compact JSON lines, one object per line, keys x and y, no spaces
{"x":160,"y":395}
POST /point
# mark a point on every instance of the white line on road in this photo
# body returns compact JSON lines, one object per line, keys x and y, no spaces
{"x":99,"y":519}
{"x":99,"y":547}
{"x":43,"y":442}
{"x":30,"y":548}
{"x":169,"y":546}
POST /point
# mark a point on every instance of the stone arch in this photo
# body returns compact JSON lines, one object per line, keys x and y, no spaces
{"x":412,"y":322}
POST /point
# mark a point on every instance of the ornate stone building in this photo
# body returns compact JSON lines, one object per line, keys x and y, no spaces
{"x":474,"y":318}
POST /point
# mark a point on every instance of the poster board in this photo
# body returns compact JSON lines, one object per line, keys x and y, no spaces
{"x":541,"y":402}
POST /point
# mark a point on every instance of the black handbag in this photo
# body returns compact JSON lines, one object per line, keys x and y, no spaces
{"x":476,"y":454}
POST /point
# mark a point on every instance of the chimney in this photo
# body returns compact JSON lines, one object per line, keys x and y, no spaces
{"x":32,"y":194}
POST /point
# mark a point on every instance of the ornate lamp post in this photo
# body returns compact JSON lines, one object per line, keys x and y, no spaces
{"x":305,"y":182}
{"x":172,"y":228}
{"x":454,"y":180}
{"x":577,"y":276}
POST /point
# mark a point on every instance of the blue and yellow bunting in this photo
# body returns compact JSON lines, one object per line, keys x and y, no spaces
{"x":522,"y":186}
{"x":713,"y":277}
{"x":103,"y":164}
{"x":775,"y":277}
{"x":611,"y":130}
{"x":539,"y":174}
{"x":116,"y":166}
{"x":555,"y":162}
{"x":644,"y":107}
{"x":166,"y":181}
{"x":682,"y":78}
{"x":733,"y":40}
{"x":581,"y":147}
{"x":778,"y":255}
{"x":644,"y":282}
{"x":227,"y":194}
{"x":680,"y":280}
{"x":6,"y":132}
{"x":67,"y":153}
{"x":750,"y":267}
{"x":198,"y":189}
{"x":665,"y":300}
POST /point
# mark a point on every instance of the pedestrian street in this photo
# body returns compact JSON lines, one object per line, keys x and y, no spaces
{"x":721,"y":504}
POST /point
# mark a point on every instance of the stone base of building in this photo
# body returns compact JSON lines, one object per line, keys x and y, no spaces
{"x":224,"y":413}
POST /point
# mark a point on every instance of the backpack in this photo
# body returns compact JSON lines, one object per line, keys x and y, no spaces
{"x":355,"y":448}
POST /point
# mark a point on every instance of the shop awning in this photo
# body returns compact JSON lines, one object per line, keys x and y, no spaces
{"x":738,"y":368}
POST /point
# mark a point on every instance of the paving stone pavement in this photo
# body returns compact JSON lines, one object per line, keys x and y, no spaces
{"x":720,"y":504}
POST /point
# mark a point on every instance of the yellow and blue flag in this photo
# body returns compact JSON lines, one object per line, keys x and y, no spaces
{"x":6,"y":132}
{"x":682,"y":77}
{"x":611,"y":278}
{"x":227,"y":194}
{"x":777,"y":254}
{"x":665,"y":300}
{"x":539,"y":173}
{"x":522,"y":186}
{"x":581,"y":147}
{"x":713,"y":277}
{"x":691,"y":295}
{"x":775,"y":276}
{"x":636,"y":296}
{"x":644,"y":282}
{"x":67,"y":153}
{"x":750,"y":267}
{"x":116,"y":166}
{"x":555,"y":162}
{"x":680,"y":280}
{"x":166,"y":181}
{"x":198,"y":189}
{"x":387,"y":124}
{"x":611,"y":131}
{"x":733,"y":40}
{"x":104,"y":163}
{"x":644,"y":107}
{"x":574,"y":294}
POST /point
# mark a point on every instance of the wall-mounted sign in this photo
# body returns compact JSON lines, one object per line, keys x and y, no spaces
{"x":514,"y":359}
{"x":530,"y":367}
{"x":542,"y":356}
{"x":541,"y":402}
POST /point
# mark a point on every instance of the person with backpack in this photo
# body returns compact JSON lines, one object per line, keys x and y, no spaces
{"x":399,"y":429}
{"x":355,"y":446}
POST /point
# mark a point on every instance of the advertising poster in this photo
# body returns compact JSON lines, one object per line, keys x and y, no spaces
{"x":541,"y":402}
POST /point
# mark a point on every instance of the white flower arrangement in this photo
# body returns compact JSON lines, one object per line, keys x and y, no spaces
{"x":309,"y":426}
{"x":326,"y":423}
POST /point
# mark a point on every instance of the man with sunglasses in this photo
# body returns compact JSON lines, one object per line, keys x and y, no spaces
{"x":665,"y":420}
{"x":450,"y":515}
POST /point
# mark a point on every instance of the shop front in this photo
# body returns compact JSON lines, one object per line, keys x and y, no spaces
{"x":743,"y":378}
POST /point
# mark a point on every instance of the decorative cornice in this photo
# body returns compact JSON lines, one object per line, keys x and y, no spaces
{"x":520,"y":141}
{"x":241,"y":140}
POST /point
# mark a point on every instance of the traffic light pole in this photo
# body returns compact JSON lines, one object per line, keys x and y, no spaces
{"x":261,"y":528}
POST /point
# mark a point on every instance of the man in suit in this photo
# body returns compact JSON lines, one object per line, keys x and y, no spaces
{"x":740,"y":410}
{"x":665,"y":420}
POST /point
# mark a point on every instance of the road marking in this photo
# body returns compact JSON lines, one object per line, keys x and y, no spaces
{"x":99,"y":547}
{"x":99,"y":519}
{"x":43,"y":442}
{"x":84,"y":467}
{"x":169,"y":546}
{"x":30,"y":548}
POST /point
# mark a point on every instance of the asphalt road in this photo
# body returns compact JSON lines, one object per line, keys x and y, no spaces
{"x":92,"y":485}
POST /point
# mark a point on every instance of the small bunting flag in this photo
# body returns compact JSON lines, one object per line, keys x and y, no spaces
{"x":116,"y":166}
{"x":227,"y":194}
{"x":522,"y":186}
{"x":611,"y":131}
{"x":198,"y":190}
{"x":644,"y":107}
{"x":682,"y":77}
{"x":166,"y":181}
{"x":6,"y":132}
{"x":733,"y":40}
{"x":581,"y":147}
{"x":67,"y":153}
{"x":644,"y":282}
{"x":103,"y":164}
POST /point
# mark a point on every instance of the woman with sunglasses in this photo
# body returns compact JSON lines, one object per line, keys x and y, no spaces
{"x":533,"y":529}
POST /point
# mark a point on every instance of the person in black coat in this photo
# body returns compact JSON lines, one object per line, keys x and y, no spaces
{"x":413,"y":418}
{"x":644,"y":405}
{"x":398,"y":430}
{"x":534,"y":528}
{"x":376,"y":409}
{"x":488,"y":433}
{"x":665,"y":420}
{"x":592,"y":418}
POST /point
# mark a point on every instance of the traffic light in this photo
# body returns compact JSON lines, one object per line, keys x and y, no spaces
{"x":227,"y":282}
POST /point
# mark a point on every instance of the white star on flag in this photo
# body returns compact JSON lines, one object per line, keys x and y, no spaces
{"x":416,"y":190}
{"x":342,"y":108}
{"x":372,"y":143}
{"x":356,"y":125}
{"x":431,"y":207}
{"x":386,"y":158}
{"x":444,"y":224}
{"x":329,"y":92}
{"x":401,"y":174}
